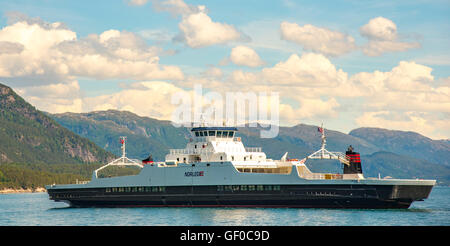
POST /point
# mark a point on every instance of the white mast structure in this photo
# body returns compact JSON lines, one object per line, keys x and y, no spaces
{"x":323,"y":153}
{"x":122,"y":161}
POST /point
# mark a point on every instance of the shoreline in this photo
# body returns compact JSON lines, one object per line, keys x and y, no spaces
{"x":21,"y":190}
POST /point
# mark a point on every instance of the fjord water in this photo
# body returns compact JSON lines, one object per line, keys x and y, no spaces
{"x":35,"y":209}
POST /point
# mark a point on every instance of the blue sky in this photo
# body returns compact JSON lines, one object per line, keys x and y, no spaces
{"x":392,"y":58}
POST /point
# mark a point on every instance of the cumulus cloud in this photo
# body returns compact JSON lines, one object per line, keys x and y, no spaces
{"x":245,"y":56}
{"x":310,"y":108}
{"x":424,"y":123}
{"x":309,"y":70}
{"x":43,"y":61}
{"x":49,"y":53}
{"x":322,"y":40}
{"x":198,"y":30}
{"x":147,"y":98}
{"x":383,"y":37}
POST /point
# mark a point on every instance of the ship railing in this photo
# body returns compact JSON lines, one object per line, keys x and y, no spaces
{"x":81,"y":181}
{"x":321,"y":176}
{"x":190,"y":151}
{"x":253,"y":149}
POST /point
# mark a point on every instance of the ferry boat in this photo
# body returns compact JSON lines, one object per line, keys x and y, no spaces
{"x":215,"y":169}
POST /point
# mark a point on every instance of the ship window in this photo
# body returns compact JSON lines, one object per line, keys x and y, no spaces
{"x":154,"y":189}
{"x":108,"y":189}
{"x":212,"y":133}
{"x":268,"y":187}
{"x":251,"y":187}
{"x":244,"y":187}
{"x":141,"y":189}
{"x":221,"y":157}
{"x":259,"y":187}
{"x":197,"y":134}
{"x":219,"y":134}
{"x":235,"y":187}
{"x":201,"y":134}
{"x":220,"y":188}
{"x":276,"y":187}
{"x":148,"y":189}
{"x":228,"y":188}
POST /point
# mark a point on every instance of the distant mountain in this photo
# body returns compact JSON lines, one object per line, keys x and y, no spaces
{"x":144,"y":135}
{"x":147,"y":135}
{"x":28,"y":135}
{"x":406,"y":143}
{"x":399,"y":166}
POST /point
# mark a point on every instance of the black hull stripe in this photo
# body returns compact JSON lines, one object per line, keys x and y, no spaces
{"x":300,"y":196}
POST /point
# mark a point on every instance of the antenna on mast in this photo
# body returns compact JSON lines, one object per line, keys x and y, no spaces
{"x":122,"y":141}
{"x":323,"y":153}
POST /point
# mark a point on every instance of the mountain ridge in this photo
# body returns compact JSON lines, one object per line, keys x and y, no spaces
{"x":30,"y":136}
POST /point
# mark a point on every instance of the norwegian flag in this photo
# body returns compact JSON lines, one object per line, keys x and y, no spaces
{"x":320,"y":129}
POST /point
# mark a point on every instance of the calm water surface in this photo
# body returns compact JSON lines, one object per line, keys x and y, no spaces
{"x":37,"y":209}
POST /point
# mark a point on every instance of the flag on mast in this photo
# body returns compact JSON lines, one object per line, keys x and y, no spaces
{"x":320,"y":129}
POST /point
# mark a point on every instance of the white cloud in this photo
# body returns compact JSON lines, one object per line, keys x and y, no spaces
{"x":423,"y":123}
{"x":137,"y":2}
{"x":310,"y":108}
{"x":177,"y":7}
{"x":245,"y":56}
{"x":380,"y":28}
{"x":383,"y":37}
{"x":198,"y":30}
{"x":148,"y":98}
{"x":55,"y":98}
{"x":309,"y":70}
{"x":48,"y":54}
{"x":322,"y":40}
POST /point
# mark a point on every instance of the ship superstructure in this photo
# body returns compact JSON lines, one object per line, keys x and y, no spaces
{"x":216,"y":169}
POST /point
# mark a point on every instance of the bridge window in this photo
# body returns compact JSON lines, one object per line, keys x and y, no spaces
{"x":197,"y":134}
{"x":205,"y":133}
{"x":219,"y":134}
{"x":212,"y":133}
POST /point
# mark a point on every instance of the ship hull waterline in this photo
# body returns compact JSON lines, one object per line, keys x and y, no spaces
{"x":290,"y":196}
